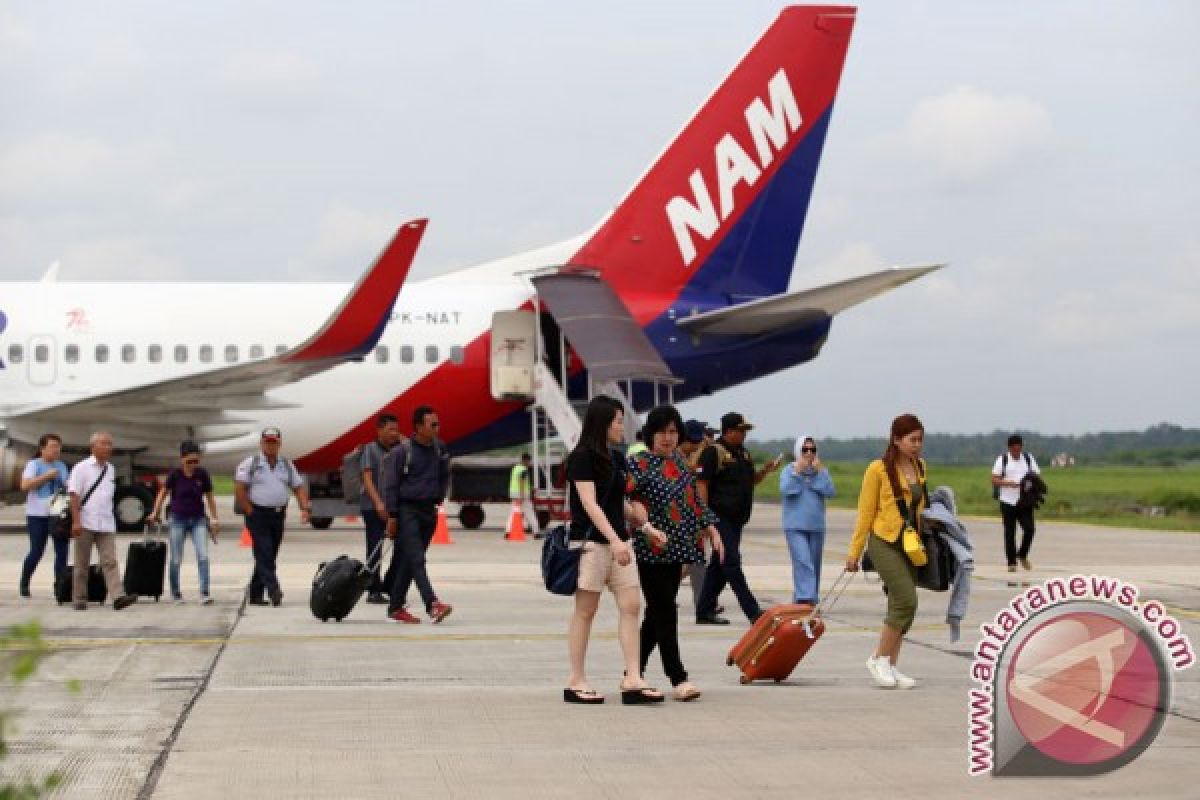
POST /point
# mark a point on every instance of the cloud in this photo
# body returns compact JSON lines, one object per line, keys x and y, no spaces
{"x":51,"y":161}
{"x":14,"y":35}
{"x":851,"y":261}
{"x":967,"y":134}
{"x":272,"y":79}
{"x":347,"y":238}
{"x":122,"y":258}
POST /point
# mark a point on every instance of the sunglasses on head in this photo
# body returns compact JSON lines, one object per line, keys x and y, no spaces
{"x":807,"y":449}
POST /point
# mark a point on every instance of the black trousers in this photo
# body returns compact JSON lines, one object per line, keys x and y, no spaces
{"x":415,"y":526}
{"x":660,"y":585}
{"x":376,"y":528}
{"x":727,"y":572}
{"x":1011,"y":516}
{"x":266,"y":532}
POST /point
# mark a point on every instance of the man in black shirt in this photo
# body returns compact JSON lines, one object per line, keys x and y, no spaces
{"x":419,"y":480}
{"x":726,"y":478}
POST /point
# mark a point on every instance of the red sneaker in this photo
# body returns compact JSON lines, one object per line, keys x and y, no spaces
{"x":402,"y":615}
{"x":439,"y":611}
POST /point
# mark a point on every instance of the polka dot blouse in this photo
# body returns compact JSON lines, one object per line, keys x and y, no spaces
{"x":666,"y":487}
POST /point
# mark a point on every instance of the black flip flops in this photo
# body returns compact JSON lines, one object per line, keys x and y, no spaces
{"x":642,"y":696}
{"x":587,"y":697}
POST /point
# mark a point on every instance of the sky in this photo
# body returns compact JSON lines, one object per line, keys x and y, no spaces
{"x":1045,"y":151}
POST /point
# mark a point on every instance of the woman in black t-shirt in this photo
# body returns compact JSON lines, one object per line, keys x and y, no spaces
{"x":596,"y":477}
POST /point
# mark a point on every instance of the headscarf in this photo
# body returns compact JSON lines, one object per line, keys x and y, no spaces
{"x":800,"y":443}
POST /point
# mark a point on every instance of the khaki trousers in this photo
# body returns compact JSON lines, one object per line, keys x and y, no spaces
{"x":106,"y":547}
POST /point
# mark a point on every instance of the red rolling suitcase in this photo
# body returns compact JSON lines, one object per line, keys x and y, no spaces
{"x":782,"y":636}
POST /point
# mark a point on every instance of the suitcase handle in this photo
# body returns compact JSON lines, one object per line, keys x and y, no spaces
{"x":378,"y":551}
{"x":834,"y":594}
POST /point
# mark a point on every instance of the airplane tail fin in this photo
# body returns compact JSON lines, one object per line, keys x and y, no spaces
{"x":721,"y":211}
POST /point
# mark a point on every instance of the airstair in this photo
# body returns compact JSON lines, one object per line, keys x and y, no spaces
{"x":579,"y":341}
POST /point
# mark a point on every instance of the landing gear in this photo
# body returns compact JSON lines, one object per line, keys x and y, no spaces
{"x":131,"y":506}
{"x":471,"y":516}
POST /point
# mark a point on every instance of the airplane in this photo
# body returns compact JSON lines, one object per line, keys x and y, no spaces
{"x":696,"y":260}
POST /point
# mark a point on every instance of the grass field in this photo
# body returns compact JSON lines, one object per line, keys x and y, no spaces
{"x":1100,"y":495}
{"x":1119,"y":496}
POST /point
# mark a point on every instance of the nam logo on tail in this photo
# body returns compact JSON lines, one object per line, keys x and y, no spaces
{"x":770,"y":131}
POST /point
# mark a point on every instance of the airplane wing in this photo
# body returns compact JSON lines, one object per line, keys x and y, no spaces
{"x":163,"y":412}
{"x":794,"y":309}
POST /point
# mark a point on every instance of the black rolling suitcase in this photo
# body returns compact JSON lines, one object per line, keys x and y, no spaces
{"x":145,"y":565}
{"x":97,"y":590}
{"x":339,"y":584}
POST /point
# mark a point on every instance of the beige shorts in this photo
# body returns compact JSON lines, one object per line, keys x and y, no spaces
{"x":598,"y":568}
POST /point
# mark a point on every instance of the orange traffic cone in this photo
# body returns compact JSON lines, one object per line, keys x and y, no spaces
{"x":246,"y":540}
{"x":441,"y":534}
{"x":516,"y":524}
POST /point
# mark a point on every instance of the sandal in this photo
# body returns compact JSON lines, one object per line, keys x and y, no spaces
{"x":685,"y":693}
{"x":587,"y":697}
{"x":643,"y":695}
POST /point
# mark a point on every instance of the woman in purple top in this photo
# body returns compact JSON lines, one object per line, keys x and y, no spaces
{"x":188,"y":487}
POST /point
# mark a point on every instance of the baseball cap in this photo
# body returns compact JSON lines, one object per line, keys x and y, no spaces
{"x":693,"y":431}
{"x":734,"y":420}
{"x":188,"y":447}
{"x":272,"y":433}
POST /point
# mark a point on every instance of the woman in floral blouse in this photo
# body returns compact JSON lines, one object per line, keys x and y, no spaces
{"x":660,"y":480}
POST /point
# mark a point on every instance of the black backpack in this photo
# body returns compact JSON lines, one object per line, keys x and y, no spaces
{"x":1004,"y":469}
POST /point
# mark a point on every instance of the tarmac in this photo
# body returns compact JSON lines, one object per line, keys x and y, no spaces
{"x":229,"y":701}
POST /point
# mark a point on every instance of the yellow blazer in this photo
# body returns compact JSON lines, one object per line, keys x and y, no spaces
{"x":877,"y":511}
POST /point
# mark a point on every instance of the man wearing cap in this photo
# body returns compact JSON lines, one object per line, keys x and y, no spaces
{"x":262,"y":486}
{"x":726,"y":477}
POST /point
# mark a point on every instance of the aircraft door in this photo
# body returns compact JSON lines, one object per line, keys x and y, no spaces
{"x":42,"y":359}
{"x":513,"y":354}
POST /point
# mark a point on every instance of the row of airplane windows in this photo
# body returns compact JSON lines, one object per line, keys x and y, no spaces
{"x":205,"y":353}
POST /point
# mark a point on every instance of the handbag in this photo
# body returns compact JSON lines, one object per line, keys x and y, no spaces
{"x":560,"y":557}
{"x":62,"y":525}
{"x":937,"y":573}
{"x":910,"y":539}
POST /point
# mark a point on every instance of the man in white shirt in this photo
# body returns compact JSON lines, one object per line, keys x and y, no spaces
{"x":1007,"y":474}
{"x":91,"y":487}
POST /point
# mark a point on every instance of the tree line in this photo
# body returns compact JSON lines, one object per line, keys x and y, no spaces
{"x":1164,"y":444}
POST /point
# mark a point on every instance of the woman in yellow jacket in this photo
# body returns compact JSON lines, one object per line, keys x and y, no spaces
{"x":900,"y":473}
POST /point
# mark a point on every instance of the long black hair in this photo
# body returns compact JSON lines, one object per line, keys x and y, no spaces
{"x":593,"y":440}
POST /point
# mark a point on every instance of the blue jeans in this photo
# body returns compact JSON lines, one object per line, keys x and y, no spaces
{"x":197,"y":529}
{"x":39,"y":532}
{"x":806,"y":547}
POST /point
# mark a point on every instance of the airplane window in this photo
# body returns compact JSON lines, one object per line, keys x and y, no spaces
{"x":256,"y":351}
{"x":154,"y":353}
{"x":181,"y":354}
{"x":41,"y":354}
{"x":101,"y":354}
{"x":457,"y":355}
{"x":406,"y":354}
{"x":231,"y":353}
{"x":16,"y":353}
{"x":128,"y":353}
{"x":431,"y":353}
{"x":205,"y":354}
{"x":381,"y":354}
{"x":280,"y":349}
{"x":71,"y":354}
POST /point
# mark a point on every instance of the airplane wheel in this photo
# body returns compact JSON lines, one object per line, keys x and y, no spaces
{"x":131,"y":506}
{"x":321,"y":523}
{"x":470,"y":516}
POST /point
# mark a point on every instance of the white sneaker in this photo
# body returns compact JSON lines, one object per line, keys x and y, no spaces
{"x":902,"y":680}
{"x":881,"y":672}
{"x":178,"y":601}
{"x":207,"y":600}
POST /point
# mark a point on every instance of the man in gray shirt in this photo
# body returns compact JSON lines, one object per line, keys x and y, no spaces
{"x":371,"y":502}
{"x":416,"y":486}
